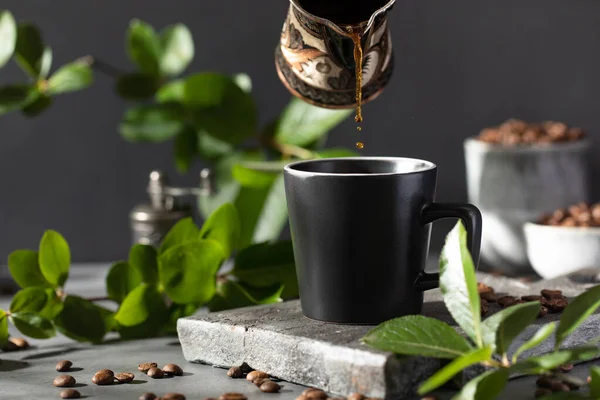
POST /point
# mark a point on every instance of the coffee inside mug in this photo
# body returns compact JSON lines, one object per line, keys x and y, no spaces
{"x":363,"y":166}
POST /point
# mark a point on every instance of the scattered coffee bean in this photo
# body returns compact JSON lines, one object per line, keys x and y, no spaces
{"x":146,"y":366}
{"x":356,"y":396}
{"x":69,"y":394}
{"x":124,"y":377}
{"x":260,"y":381}
{"x":303,"y":397}
{"x":531,"y":298}
{"x":558,"y":386}
{"x":483,"y":307}
{"x":557,"y":305}
{"x":149,"y":396}
{"x":551,"y":294}
{"x":506,"y":301}
{"x":155,"y":373}
{"x":64,"y":381}
{"x":172,"y":369}
{"x":232,"y":396}
{"x":173,"y":396}
{"x":544,"y":382}
{"x":246,"y":368}
{"x":541,"y":392}
{"x":566,"y":367}
{"x":268,"y":386}
{"x":21,"y":343}
{"x":543,"y":312}
{"x":64,"y":366}
{"x":256,"y":374}
{"x":104,"y":377}
{"x":314,"y":394}
{"x":235,"y":372}
{"x":486,"y":292}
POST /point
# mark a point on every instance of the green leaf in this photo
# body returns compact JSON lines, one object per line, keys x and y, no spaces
{"x":235,"y":295}
{"x":183,"y":231}
{"x":54,"y":258}
{"x":594,"y":384}
{"x":152,"y":123}
{"x":45,"y":63}
{"x":418,"y":336}
{"x":547,"y":362}
{"x":121,"y":280}
{"x":453,"y":368}
{"x":175,"y":312}
{"x":142,"y":257}
{"x":255,"y":174}
{"x":70,"y":78}
{"x":177,"y":49}
{"x":185,"y":149}
{"x":212,"y":149}
{"x":243,"y":81}
{"x":172,"y":92}
{"x":188,"y":271}
{"x":53,"y":306}
{"x":25,"y":269}
{"x":502,"y":328}
{"x":81,"y":320}
{"x":223,"y":226}
{"x":29,"y":50}
{"x":29,"y":300}
{"x":8,"y":36}
{"x":576,"y":312}
{"x":301,"y":123}
{"x":13,"y":97}
{"x":486,"y":386}
{"x":108,"y":317}
{"x":273,"y":216}
{"x":229,"y":188}
{"x":33,"y":325}
{"x":144,"y":47}
{"x":137,"y":86}
{"x":542,"y":334}
{"x":268,"y":264}
{"x":3,"y":328}
{"x":141,"y":304}
{"x":37,"y":106}
{"x":459,"y":285}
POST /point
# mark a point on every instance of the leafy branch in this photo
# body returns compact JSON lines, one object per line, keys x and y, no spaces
{"x":487,"y":342}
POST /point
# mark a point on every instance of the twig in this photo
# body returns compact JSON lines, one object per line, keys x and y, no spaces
{"x":101,"y":66}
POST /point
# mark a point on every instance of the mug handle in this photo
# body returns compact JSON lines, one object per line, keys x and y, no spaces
{"x":470,"y":216}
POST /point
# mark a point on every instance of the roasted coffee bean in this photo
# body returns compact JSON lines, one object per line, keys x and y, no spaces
{"x":104,"y":377}
{"x":314,"y":394}
{"x":589,"y":379}
{"x":155,"y":373}
{"x":149,"y":396}
{"x":64,"y":381}
{"x":269,"y":386}
{"x":232,"y":396}
{"x":541,"y":392}
{"x":486,"y":292}
{"x":356,"y":396}
{"x":543,"y":312}
{"x":235,"y":372}
{"x":10,"y":346}
{"x":256,"y":374}
{"x":483,"y":308}
{"x":566,"y":367}
{"x":551,"y":294}
{"x":558,"y":386}
{"x":490,"y":296}
{"x":20,"y":343}
{"x":260,"y":381}
{"x":557,"y":305}
{"x":572,"y":385}
{"x":64,"y":366}
{"x":173,"y":396}
{"x":146,"y":366}
{"x":124,"y":377}
{"x":69,"y":394}
{"x":209,"y":398}
{"x":531,"y":298}
{"x":172,"y":369}
{"x":506,"y":301}
{"x":544,"y":382}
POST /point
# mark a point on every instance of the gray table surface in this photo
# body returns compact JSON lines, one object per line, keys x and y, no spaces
{"x":28,"y":374}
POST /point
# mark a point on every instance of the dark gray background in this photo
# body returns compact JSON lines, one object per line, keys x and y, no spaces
{"x":460,"y":65}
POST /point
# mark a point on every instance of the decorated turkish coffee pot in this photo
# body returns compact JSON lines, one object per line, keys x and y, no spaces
{"x":316,"y":59}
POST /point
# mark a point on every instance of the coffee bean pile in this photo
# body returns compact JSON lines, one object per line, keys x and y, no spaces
{"x":579,"y":215}
{"x":261,"y":380}
{"x":515,"y":132}
{"x":551,"y":301}
{"x":546,"y":385}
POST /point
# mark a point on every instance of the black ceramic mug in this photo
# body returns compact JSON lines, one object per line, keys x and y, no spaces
{"x":360,"y":229}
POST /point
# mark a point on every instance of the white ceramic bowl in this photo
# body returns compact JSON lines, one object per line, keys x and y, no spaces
{"x":558,"y":250}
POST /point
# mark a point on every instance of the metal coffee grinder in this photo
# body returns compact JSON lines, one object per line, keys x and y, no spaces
{"x":151,"y":222}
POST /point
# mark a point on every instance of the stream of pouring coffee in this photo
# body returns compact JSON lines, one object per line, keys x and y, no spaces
{"x":356,"y":36}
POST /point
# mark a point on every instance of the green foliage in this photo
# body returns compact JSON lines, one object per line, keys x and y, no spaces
{"x":54,"y":258}
{"x":8,"y":36}
{"x":142,"y":257}
{"x":3,"y":328}
{"x":183,"y":231}
{"x":70,"y":78}
{"x":121,"y":279}
{"x":422,"y":336}
{"x":152,"y":123}
{"x":233,"y":294}
{"x":29,"y":49}
{"x":30,"y":299}
{"x":32,"y":325}
{"x":81,"y":320}
{"x":143,"y":47}
{"x":595,"y":383}
{"x":25,"y":269}
{"x":223,"y":226}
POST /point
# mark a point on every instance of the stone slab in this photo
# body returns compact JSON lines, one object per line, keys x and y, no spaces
{"x":279,"y":340}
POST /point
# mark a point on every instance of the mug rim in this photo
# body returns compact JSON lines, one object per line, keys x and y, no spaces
{"x":291,"y":168}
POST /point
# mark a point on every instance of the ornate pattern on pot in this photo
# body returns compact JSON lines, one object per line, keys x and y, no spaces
{"x":514,"y":185}
{"x":315,"y":58}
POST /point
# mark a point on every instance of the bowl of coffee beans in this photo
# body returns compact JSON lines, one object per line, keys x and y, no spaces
{"x":515,"y":172}
{"x":565,"y":241}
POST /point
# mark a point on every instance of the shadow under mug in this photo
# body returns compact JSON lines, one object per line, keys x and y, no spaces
{"x":361,"y":229}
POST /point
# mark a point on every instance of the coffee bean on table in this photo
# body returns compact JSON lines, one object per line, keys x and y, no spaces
{"x":543,"y":312}
{"x":544,"y":382}
{"x":233,"y":396}
{"x":104,"y":377}
{"x":172,"y":369}
{"x":235,"y":372}
{"x":566,"y":367}
{"x":558,"y":386}
{"x":541,"y":392}
{"x":105,"y":372}
{"x":124,"y":377}
{"x":269,"y":386}
{"x":506,"y":301}
{"x":155,"y":373}
{"x":532,"y":297}
{"x":69,"y":394}
{"x":144,"y":367}
{"x":64,"y":366}
{"x":551,"y":294}
{"x":557,"y":305}
{"x":314,"y":394}
{"x":148,"y":396}
{"x":173,"y":396}
{"x":260,"y":381}
{"x":356,"y":396}
{"x":64,"y":381}
{"x":20,"y":342}
{"x":256,"y":374}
